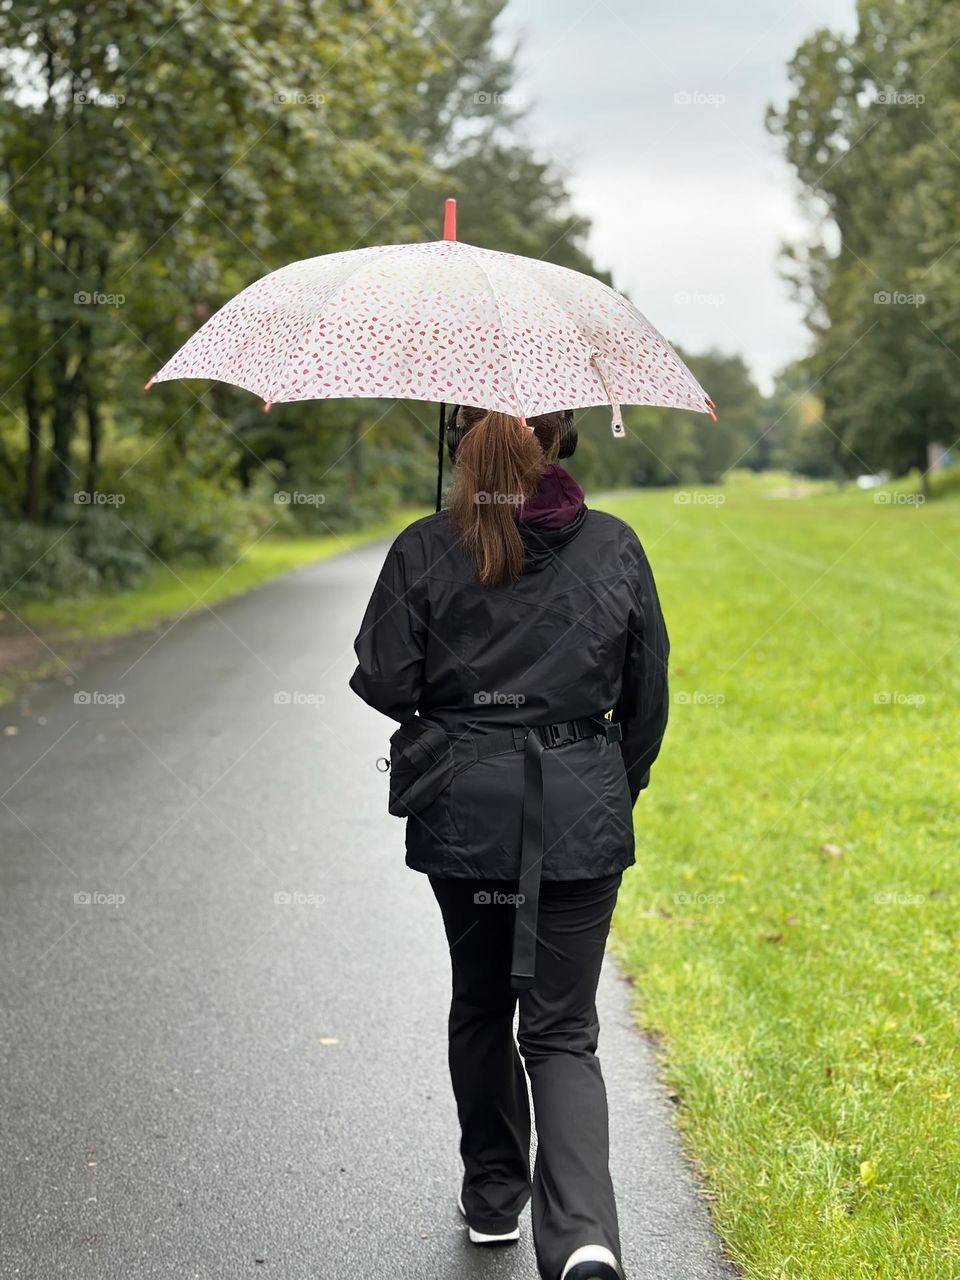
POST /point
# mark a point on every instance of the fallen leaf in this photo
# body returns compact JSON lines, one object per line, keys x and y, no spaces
{"x":919,"y":1039}
{"x":773,"y":937}
{"x":831,"y":850}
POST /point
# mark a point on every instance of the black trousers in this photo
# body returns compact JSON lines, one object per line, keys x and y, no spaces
{"x":571,"y":1194}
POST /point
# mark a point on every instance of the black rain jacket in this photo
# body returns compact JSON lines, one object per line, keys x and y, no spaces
{"x":580,"y":633}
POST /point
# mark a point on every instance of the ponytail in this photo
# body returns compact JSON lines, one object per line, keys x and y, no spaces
{"x":499,"y":464}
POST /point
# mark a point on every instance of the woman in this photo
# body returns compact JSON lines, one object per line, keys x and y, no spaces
{"x":514,"y":621}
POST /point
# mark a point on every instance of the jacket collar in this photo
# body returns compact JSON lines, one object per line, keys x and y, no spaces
{"x":550,"y":518}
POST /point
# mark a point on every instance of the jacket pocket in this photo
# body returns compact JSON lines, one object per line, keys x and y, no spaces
{"x":587,"y":817}
{"x":486,"y":806}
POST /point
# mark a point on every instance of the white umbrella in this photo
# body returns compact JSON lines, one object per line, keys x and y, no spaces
{"x":443,"y":321}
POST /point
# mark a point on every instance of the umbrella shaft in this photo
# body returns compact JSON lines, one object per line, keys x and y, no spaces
{"x":443,"y":409}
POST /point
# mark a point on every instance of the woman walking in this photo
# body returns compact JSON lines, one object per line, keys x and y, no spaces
{"x":501,"y":633}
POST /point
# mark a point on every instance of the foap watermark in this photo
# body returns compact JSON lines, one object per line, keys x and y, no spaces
{"x":297,"y":898}
{"x":486,"y":898}
{"x":90,"y":98}
{"x":899,"y":499}
{"x":98,"y":698}
{"x":687,"y":298}
{"x":894,"y":899}
{"x":94,"y":298}
{"x":697,"y":98}
{"x":488,"y":98}
{"x":298,"y":498}
{"x":96,"y":899}
{"x":697,"y":498}
{"x":898,"y":698}
{"x":685,"y":899}
{"x":898,"y":298}
{"x":299,"y":98}
{"x":487,"y":497}
{"x":94,"y":498}
{"x":699,"y":698}
{"x":298,"y":698}
{"x":498,"y":698}
{"x":898,"y":98}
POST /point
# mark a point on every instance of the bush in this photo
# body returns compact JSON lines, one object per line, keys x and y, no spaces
{"x":945,"y":483}
{"x":185,"y":521}
{"x":150,"y":508}
{"x":42,"y":562}
{"x":329,"y":507}
{"x":109,"y":548}
{"x":91,"y":547}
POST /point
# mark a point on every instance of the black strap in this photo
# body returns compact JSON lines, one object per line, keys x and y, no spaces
{"x":477,"y":746}
{"x":523,"y":962}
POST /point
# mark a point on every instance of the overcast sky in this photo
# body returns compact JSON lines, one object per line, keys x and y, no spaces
{"x":690,"y":199}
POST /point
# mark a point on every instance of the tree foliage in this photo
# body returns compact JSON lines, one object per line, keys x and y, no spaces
{"x":872,"y":131}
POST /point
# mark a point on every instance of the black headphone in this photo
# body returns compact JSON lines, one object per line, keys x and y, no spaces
{"x":455,"y":433}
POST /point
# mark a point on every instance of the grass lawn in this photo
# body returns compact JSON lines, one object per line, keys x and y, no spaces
{"x":792,"y":920}
{"x":171,"y":590}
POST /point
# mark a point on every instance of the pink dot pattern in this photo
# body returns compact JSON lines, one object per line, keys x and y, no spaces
{"x":438,"y":321}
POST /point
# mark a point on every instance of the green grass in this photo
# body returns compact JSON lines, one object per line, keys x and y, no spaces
{"x":806,"y":1000}
{"x":169,"y":591}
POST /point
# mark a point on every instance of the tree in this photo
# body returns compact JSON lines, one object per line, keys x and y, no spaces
{"x":869,"y":131}
{"x":143,"y":184}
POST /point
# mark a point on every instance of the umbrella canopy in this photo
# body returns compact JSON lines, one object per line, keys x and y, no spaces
{"x":443,"y":321}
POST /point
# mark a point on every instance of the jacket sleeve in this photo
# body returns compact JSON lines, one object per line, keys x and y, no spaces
{"x":392,"y":639}
{"x":643,"y":704}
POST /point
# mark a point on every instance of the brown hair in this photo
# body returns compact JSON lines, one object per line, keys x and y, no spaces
{"x":498,"y":465}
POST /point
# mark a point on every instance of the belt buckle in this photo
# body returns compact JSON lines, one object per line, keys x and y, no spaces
{"x":556,"y":736}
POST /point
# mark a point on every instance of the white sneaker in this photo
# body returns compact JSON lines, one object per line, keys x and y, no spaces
{"x":484,"y":1237}
{"x":592,"y":1262}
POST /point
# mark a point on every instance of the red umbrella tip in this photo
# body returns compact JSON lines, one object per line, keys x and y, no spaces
{"x":450,"y":220}
{"x":267,"y":406}
{"x":148,"y":385}
{"x":712,"y":414}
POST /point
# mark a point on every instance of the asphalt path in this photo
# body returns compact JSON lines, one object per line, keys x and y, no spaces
{"x":222,"y":1038}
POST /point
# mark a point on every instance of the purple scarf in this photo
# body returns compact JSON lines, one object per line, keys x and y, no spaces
{"x":557,"y":500}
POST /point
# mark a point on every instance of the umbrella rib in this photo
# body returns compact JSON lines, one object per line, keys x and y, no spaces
{"x":496,"y":303}
{"x":575,"y":324}
{"x":589,"y":345}
{"x":395,"y":248}
{"x":632,"y":313}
